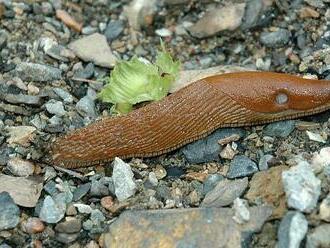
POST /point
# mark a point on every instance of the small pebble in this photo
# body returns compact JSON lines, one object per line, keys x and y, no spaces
{"x":292,"y":230}
{"x":10,"y":213}
{"x":55,"y":107}
{"x":242,"y":213}
{"x":280,"y":129}
{"x":278,"y":38}
{"x":107,"y":202}
{"x":241,"y":166}
{"x":33,"y":225}
{"x":325,"y":209}
{"x":70,"y":225}
{"x":20,"y":167}
{"x":123,"y":179}
{"x":51,"y":211}
{"x":319,"y":237}
{"x":302,"y":188}
{"x":263,"y":162}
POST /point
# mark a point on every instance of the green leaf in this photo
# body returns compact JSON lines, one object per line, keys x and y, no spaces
{"x":165,"y":62}
{"x":137,"y":81}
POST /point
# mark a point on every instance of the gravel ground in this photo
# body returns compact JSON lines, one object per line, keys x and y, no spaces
{"x":262,"y":186}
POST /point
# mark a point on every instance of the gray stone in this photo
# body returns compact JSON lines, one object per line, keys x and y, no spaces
{"x":10,"y":213}
{"x":95,"y":224}
{"x":225,"y":193}
{"x":24,"y":191}
{"x":152,"y":179}
{"x":86,"y":107}
{"x":278,"y":38}
{"x":292,"y":230}
{"x":37,"y":72}
{"x":3,"y":38}
{"x":208,"y":149}
{"x":100,"y":187}
{"x":114,"y":29}
{"x":21,"y":99}
{"x":94,"y":48}
{"x":81,"y":191}
{"x":302,"y":188}
{"x":83,"y":208}
{"x":123,"y":179}
{"x":280,"y":129}
{"x":253,"y":12}
{"x":66,"y":96}
{"x":59,"y":53}
{"x":51,"y":211}
{"x":241,"y":166}
{"x":242,"y":213}
{"x":4,"y":245}
{"x":210,"y":182}
{"x":319,"y":237}
{"x":263,"y":162}
{"x":199,"y":227}
{"x":50,"y":188}
{"x":66,"y":238}
{"x":55,"y":107}
{"x":86,"y":72}
{"x":219,"y":18}
{"x":88,"y":30}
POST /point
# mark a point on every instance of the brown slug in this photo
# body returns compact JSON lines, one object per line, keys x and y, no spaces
{"x":226,"y":100}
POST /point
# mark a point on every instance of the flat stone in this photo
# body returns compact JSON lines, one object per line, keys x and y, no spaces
{"x":55,"y":107}
{"x":302,"y":187}
{"x":10,"y":213}
{"x":20,"y":135}
{"x":183,"y":227}
{"x":51,"y":211}
{"x":37,"y":72}
{"x":20,"y":167}
{"x":81,"y":191}
{"x":21,"y":99}
{"x":66,"y":238}
{"x":279,"y":129}
{"x":277,"y":38}
{"x":123,"y":179}
{"x":66,"y":96}
{"x":211,"y":181}
{"x":24,"y":191}
{"x":94,"y":48}
{"x":114,"y":29}
{"x":208,"y":149}
{"x":253,"y":14}
{"x":225,"y":193}
{"x":319,"y":237}
{"x":14,"y":109}
{"x":241,"y":166}
{"x":266,"y":186}
{"x":220,"y":18}
{"x":86,"y":107}
{"x":292,"y":230}
{"x":70,"y":225}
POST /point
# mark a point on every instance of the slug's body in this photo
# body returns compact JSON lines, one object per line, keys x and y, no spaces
{"x":226,"y":100}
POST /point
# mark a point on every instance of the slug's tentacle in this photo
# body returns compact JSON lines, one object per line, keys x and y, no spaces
{"x":227,"y":100}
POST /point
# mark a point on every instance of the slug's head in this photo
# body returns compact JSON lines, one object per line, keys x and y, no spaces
{"x":268,"y":92}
